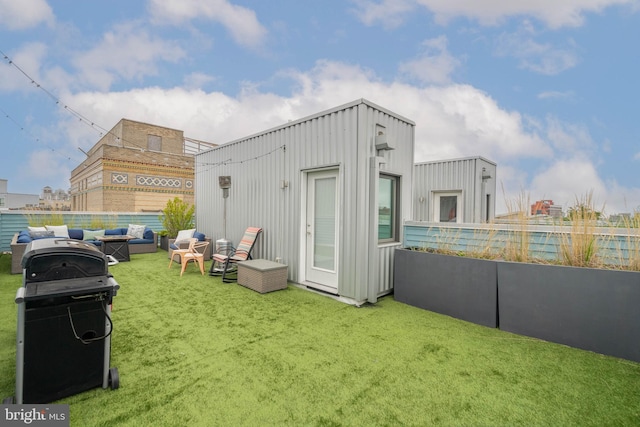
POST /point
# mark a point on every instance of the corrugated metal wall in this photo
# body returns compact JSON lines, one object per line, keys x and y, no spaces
{"x":455,"y":175}
{"x":268,"y":183}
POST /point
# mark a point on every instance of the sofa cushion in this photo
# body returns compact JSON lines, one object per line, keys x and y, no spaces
{"x":114,"y":232}
{"x":148,"y":234}
{"x":199,"y":236}
{"x":24,"y":237}
{"x":140,"y":241}
{"x":76,"y":233}
{"x":59,"y":230}
{"x":37,"y":228}
{"x":91,"y":234}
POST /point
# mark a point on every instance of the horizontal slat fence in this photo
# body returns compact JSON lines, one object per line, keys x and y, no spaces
{"x":615,"y":246}
{"x":11,"y":222}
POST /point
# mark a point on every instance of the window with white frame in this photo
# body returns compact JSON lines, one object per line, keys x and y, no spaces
{"x":447,"y":206}
{"x":388,"y":208}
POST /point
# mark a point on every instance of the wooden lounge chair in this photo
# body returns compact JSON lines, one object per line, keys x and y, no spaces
{"x":195,"y":252}
{"x":225,"y":265}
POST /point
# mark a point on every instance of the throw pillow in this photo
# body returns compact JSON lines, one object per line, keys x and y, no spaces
{"x":58,"y":230}
{"x":136,"y":231}
{"x":91,"y":234}
{"x":75,"y":233}
{"x":37,"y":228}
{"x":185,"y":235}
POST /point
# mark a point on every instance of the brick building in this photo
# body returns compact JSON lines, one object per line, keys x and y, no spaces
{"x":135,"y":167}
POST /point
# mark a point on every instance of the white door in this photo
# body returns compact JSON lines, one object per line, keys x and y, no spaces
{"x":321,"y":257}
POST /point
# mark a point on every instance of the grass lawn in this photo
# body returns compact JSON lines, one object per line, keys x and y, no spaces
{"x":193,"y":351}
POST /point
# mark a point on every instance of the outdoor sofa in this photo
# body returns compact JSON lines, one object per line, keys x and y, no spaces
{"x":147,"y":244}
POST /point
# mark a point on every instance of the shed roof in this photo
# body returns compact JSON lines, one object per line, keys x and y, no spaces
{"x":313,"y":116}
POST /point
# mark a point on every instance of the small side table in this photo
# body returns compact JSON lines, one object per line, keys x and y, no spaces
{"x":116,"y":246}
{"x":262,"y":275}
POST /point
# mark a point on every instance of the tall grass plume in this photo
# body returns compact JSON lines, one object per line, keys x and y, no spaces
{"x":579,"y":246}
{"x":516,"y":247}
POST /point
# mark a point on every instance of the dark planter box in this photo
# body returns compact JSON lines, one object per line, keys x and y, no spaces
{"x":164,"y":242}
{"x":465,"y":288}
{"x":591,"y":309}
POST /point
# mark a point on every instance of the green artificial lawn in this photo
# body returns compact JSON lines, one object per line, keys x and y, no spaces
{"x":193,"y":351}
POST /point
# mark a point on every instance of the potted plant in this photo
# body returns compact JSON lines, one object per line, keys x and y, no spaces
{"x":177,"y":215}
{"x":163,"y":239}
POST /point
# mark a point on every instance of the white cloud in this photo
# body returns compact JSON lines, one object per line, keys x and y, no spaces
{"x":543,"y":58}
{"x":553,"y":94}
{"x":456,"y":120}
{"x":451,"y":121}
{"x":554,"y":13}
{"x":569,"y":138}
{"x":389,"y":13}
{"x":29,"y":58}
{"x":127,"y":52}
{"x":24,"y":14}
{"x":472,"y":121}
{"x":622,"y":199}
{"x":567,"y":180}
{"x":42,"y":164}
{"x":240,"y":21}
{"x":434,"y":65}
{"x":198,"y":80}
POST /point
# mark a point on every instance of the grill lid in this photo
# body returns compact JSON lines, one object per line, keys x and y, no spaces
{"x":62,"y":259}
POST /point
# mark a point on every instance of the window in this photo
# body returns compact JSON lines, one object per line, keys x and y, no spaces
{"x":447,"y":207}
{"x":1,"y":202}
{"x":154,"y":143}
{"x":388,"y":190}
{"x":487,"y":214}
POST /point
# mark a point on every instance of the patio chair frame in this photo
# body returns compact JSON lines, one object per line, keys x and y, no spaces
{"x":225,"y":265}
{"x":195,"y":252}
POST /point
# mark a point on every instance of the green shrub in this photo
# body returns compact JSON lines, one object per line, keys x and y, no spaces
{"x":177,"y":215}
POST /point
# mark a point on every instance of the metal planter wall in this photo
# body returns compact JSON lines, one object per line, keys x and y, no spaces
{"x":585,"y":308}
{"x":590,"y":309}
{"x":464,"y":288}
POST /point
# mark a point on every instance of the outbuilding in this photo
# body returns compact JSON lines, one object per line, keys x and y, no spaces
{"x":330,"y":191}
{"x":457,"y":190}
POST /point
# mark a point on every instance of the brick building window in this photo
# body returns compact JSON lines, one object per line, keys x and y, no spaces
{"x":154,"y":143}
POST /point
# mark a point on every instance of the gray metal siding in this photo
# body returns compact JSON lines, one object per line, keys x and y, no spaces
{"x":454,"y":175}
{"x":340,"y":138}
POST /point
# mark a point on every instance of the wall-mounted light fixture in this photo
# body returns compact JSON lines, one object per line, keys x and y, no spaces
{"x":485,"y":174}
{"x":382,"y":142}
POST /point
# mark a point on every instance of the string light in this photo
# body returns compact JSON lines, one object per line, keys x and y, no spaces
{"x":25,"y":130}
{"x":102,"y":131}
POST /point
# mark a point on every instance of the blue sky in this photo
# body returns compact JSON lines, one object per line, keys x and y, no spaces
{"x":546,"y":89}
